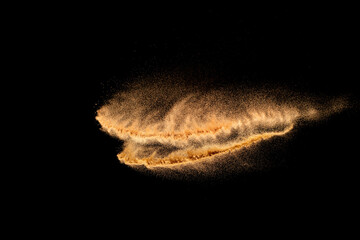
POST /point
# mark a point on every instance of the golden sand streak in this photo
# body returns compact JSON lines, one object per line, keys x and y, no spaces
{"x":197,"y":157}
{"x":165,"y":125}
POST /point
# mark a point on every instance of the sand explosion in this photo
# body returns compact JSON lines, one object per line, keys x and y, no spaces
{"x":167,"y":124}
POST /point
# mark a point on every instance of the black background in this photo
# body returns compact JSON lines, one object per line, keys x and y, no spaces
{"x":305,"y":48}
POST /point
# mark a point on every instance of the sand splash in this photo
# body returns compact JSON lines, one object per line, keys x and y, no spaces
{"x":169,"y":123}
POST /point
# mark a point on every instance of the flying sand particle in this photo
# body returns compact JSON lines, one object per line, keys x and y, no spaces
{"x":166,"y":124}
